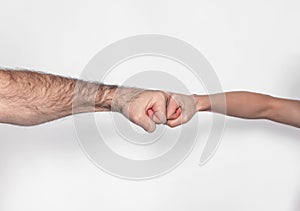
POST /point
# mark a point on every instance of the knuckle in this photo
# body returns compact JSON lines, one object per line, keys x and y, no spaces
{"x":184,"y":119}
{"x":137,"y":118}
{"x":150,"y":129}
{"x":171,"y":124}
{"x":160,"y":94}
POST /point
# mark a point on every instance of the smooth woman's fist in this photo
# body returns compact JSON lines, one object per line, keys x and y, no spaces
{"x":181,"y":108}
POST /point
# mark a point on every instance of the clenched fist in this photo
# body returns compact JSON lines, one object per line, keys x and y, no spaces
{"x":145,"y":108}
{"x":181,"y":108}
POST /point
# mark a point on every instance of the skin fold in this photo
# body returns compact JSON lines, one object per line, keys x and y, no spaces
{"x":29,"y":98}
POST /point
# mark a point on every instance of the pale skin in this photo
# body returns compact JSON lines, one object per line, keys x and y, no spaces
{"x":29,"y":98}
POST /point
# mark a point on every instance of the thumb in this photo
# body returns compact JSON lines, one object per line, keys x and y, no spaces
{"x":175,"y":115}
{"x":159,"y":117}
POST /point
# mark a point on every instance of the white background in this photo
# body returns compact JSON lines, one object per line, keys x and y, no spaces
{"x":252,"y":45}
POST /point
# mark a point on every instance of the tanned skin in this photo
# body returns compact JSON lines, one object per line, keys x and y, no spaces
{"x":30,"y":98}
{"x":247,"y":105}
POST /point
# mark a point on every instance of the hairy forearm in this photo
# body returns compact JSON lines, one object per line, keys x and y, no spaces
{"x":31,"y":98}
{"x":250,"y":105}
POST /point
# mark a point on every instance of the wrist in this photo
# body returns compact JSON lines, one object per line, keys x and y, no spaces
{"x":105,"y":97}
{"x":122,"y":97}
{"x":202,"y":102}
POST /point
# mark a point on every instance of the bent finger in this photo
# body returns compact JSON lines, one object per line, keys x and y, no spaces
{"x":176,"y":114}
{"x":145,"y":122}
{"x":175,"y":122}
{"x":159,"y":117}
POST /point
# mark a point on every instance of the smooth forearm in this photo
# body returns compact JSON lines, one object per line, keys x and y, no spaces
{"x":250,"y":105}
{"x":238,"y":104}
{"x":30,"y":98}
{"x":285,"y":111}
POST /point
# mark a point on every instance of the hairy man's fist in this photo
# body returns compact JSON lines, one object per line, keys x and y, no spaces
{"x":145,"y":108}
